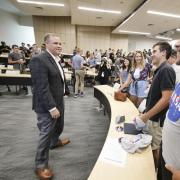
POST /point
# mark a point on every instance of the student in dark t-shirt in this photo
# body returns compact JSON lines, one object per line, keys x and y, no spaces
{"x":16,"y":58}
{"x":159,"y":95}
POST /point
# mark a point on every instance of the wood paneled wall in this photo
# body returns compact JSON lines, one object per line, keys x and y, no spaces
{"x":85,"y":37}
{"x":119,"y":41}
{"x":60,"y":25}
{"x":91,"y":37}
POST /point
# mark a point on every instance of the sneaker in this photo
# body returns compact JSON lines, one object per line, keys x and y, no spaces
{"x":76,"y":95}
{"x":82,"y":94}
{"x":28,"y":94}
{"x":99,"y":109}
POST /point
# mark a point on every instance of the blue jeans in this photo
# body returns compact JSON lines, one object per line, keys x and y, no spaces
{"x":137,"y":88}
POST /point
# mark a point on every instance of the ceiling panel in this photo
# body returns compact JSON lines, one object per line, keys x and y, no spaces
{"x":141,"y":21}
{"x":144,"y":22}
{"x":43,"y":10}
{"x":98,"y":18}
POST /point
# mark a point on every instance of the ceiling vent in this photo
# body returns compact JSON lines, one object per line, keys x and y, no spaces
{"x":39,"y":8}
{"x":150,"y":25}
{"x":98,"y":17}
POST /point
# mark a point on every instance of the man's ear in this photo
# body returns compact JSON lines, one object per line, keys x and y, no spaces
{"x":164,"y":53}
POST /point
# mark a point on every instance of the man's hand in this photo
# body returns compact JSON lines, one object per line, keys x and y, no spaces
{"x":55,"y":113}
{"x":139,"y":123}
{"x":144,"y":117}
{"x":21,"y":61}
{"x":175,"y":172}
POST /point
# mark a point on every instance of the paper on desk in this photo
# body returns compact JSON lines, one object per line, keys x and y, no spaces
{"x":15,"y":72}
{"x":113,"y":153}
{"x":116,"y":87}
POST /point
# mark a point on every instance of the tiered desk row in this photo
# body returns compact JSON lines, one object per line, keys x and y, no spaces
{"x":138,"y":166}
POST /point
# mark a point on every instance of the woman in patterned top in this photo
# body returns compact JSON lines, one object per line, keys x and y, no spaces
{"x":137,"y":79}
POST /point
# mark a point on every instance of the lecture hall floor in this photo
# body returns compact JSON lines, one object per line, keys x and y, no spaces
{"x":86,"y":128}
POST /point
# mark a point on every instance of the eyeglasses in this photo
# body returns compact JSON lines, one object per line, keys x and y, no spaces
{"x":177,"y":46}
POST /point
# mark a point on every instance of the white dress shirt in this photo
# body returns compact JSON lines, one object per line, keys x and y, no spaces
{"x":57,"y":60}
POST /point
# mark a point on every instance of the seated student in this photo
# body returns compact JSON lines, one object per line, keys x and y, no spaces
{"x":24,"y":49}
{"x":16,"y":58}
{"x":137,"y":79}
{"x":4,"y":48}
{"x":35,"y":50}
{"x":91,"y":61}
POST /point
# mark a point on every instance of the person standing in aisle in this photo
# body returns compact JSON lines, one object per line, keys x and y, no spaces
{"x":77,"y":64}
{"x":48,"y":82}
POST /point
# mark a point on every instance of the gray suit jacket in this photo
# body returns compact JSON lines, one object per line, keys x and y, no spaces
{"x":48,"y":85}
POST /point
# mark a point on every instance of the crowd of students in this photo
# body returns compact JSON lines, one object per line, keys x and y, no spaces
{"x":144,"y":75}
{"x":157,"y":80}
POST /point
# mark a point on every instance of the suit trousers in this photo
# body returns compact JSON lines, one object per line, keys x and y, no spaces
{"x":50,"y":130}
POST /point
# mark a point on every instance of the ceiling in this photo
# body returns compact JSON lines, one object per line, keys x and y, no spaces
{"x":141,"y":21}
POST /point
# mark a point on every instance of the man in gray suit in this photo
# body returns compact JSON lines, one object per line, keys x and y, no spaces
{"x":48,"y":90}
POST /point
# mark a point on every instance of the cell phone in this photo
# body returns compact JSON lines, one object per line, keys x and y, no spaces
{"x":120,"y":119}
{"x":130,"y":128}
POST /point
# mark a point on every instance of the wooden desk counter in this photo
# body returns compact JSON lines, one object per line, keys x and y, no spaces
{"x":138,"y":166}
{"x":20,"y":79}
{"x":16,"y":75}
{"x":15,"y":79}
{"x":90,"y":73}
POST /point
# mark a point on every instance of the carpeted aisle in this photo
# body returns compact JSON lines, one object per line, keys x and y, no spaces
{"x":86,"y":128}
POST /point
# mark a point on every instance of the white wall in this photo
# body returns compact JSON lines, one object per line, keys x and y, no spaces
{"x":140,"y":43}
{"x":12,"y":32}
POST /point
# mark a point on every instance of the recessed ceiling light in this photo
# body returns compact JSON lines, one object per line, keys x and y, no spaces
{"x":178,"y":29}
{"x":134,"y":32}
{"x":164,"y":38}
{"x":163,"y":14}
{"x":40,"y":3}
{"x":99,"y":10}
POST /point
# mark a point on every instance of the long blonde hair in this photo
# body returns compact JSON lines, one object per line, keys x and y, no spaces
{"x":134,"y":64}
